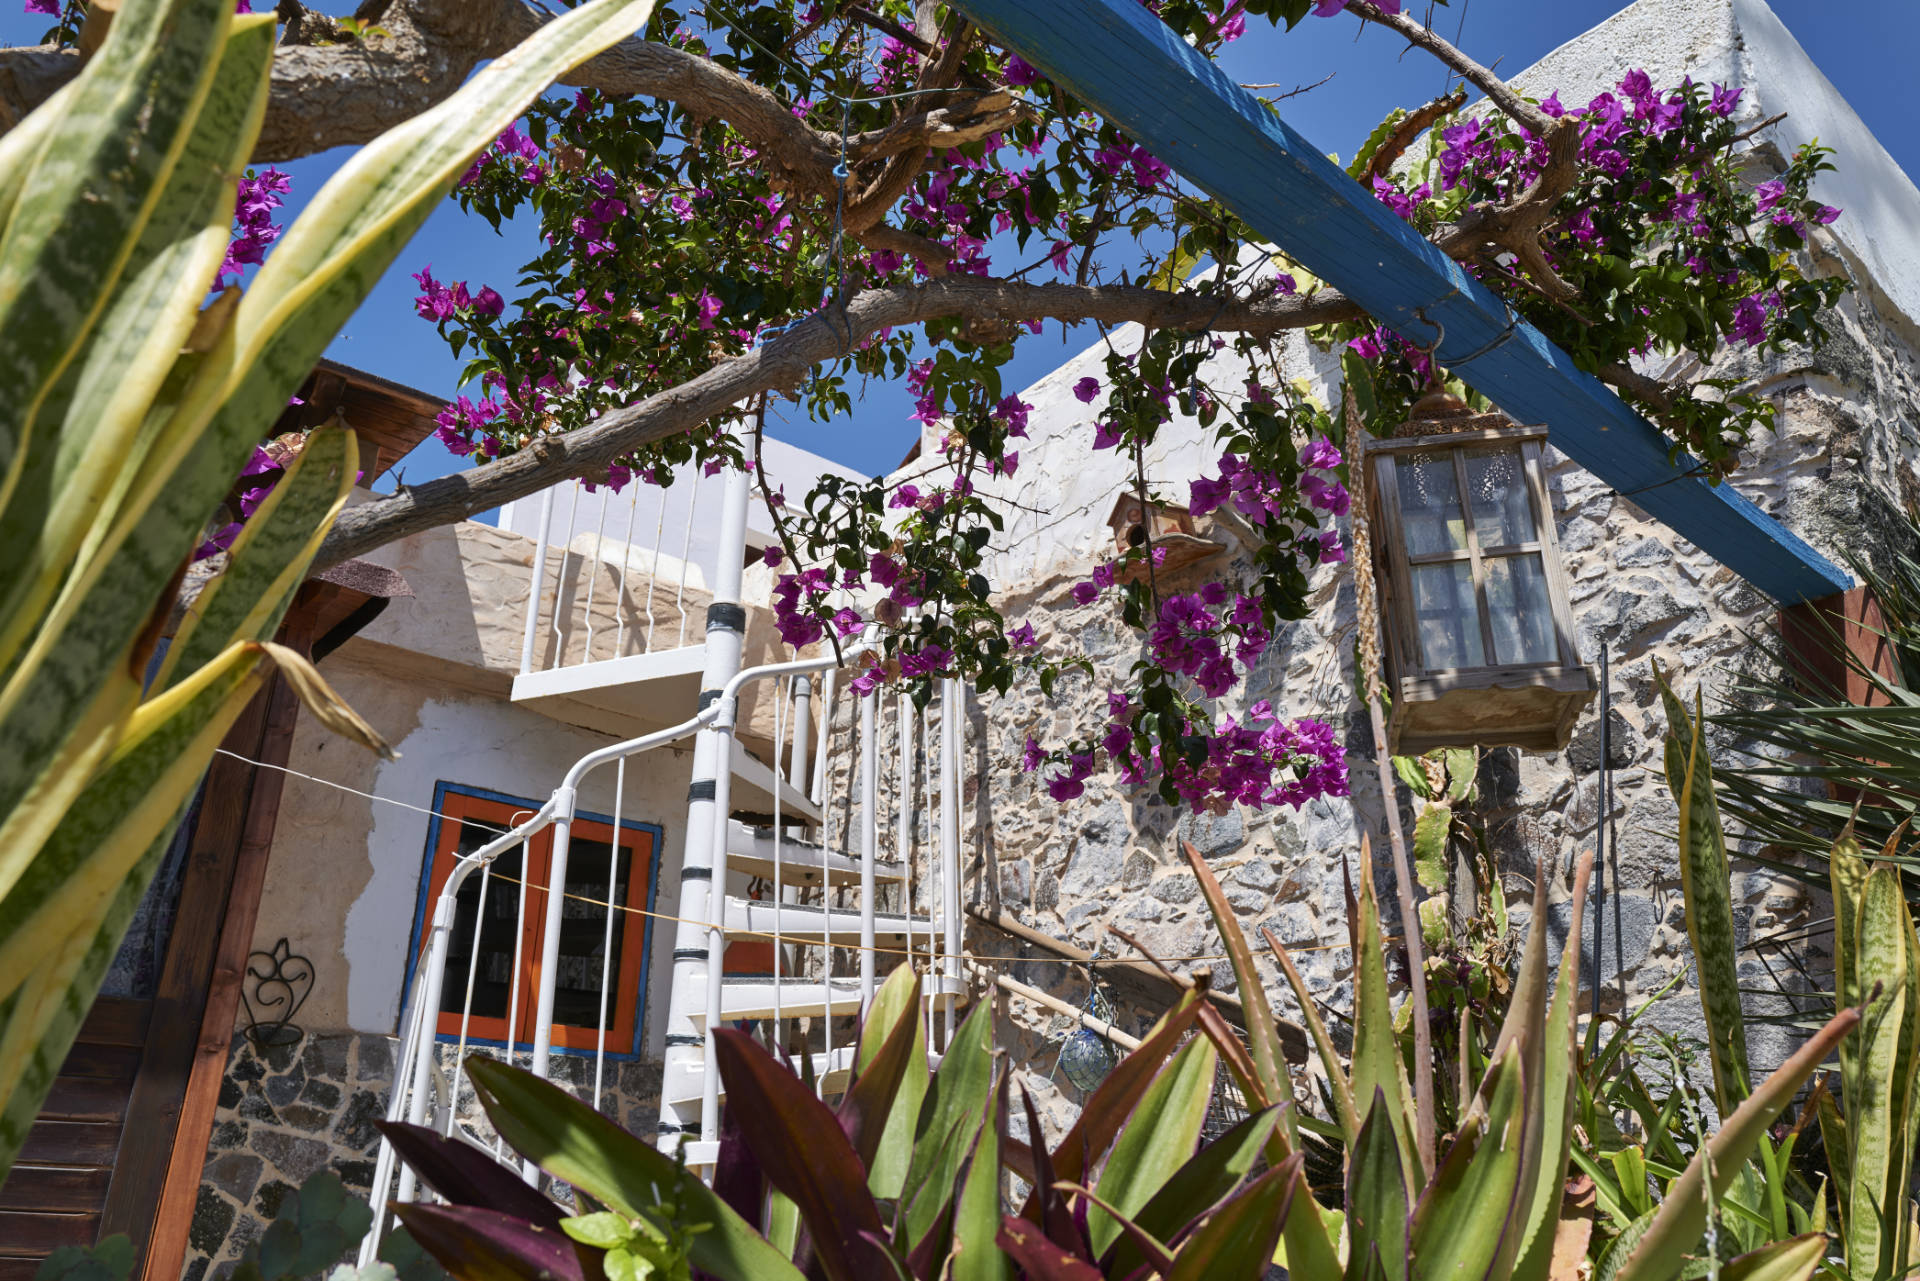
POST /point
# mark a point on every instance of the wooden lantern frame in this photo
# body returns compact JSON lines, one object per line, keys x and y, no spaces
{"x":1527,"y":705}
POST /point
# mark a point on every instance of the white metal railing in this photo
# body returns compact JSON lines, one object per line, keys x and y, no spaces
{"x":922,"y":873}
{"x":647,"y":582}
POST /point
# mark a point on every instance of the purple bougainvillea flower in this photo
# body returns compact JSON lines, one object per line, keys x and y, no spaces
{"x":1086,"y":389}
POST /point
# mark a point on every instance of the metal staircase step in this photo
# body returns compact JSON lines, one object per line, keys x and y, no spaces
{"x":742,"y":999}
{"x":750,"y":849}
{"x":832,"y":1070}
{"x":803,"y":924}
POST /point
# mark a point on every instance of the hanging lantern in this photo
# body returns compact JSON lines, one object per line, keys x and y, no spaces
{"x":1473,"y":598}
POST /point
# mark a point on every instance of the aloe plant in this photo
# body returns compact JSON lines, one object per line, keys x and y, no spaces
{"x":127,"y":407}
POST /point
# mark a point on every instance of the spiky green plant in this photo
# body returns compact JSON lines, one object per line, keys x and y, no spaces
{"x":127,"y":407}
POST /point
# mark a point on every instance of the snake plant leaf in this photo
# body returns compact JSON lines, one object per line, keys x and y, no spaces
{"x":1847,"y":874}
{"x":1884,"y":1063}
{"x":1330,"y":1061}
{"x":1157,"y":1140}
{"x":319,"y":272}
{"x":1706,"y":881}
{"x":1660,"y":1250}
{"x":113,"y":143}
{"x":572,"y":1142}
{"x":1557,"y":1097}
{"x":1237,"y":1241}
{"x":953,"y":1108}
{"x":1467,"y":1224}
{"x":1263,"y":1035}
{"x":1376,"y":1047}
{"x":893,"y":1037}
{"x":1197,"y":1187}
{"x":1795,"y":1259}
{"x":1377,"y":1201}
{"x":976,"y":1213}
{"x":887,"y":1165}
{"x":90,"y":441}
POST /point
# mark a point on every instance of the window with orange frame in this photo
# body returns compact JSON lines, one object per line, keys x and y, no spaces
{"x":498,"y":929}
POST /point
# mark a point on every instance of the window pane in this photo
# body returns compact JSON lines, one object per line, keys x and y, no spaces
{"x":493,"y":976}
{"x":1518,"y":607}
{"x":583,"y":935}
{"x":1448,"y":618}
{"x":1430,"y":503}
{"x":1497,"y":492}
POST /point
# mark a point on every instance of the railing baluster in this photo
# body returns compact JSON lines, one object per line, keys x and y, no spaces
{"x":952,"y":726}
{"x":593,"y":574}
{"x":869,"y":837}
{"x":561,"y":638}
{"x":606,"y":946}
{"x":626,"y":567}
{"x":536,"y":581}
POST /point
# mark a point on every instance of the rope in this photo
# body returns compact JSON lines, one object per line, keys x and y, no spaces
{"x":1366,"y":603}
{"x":668,"y":916}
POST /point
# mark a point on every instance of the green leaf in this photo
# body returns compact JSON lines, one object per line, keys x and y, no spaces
{"x":1197,"y":1186}
{"x":976,"y":1215}
{"x":1794,"y":1259}
{"x":1158,"y":1139}
{"x":1237,"y":1241}
{"x":1883,"y":1064}
{"x":571,"y":1141}
{"x":605,"y":1229}
{"x":888,"y":1046}
{"x":898,"y":998}
{"x":1330,"y":1060}
{"x":1376,"y":1047}
{"x":1430,"y":833}
{"x":953,"y":1108}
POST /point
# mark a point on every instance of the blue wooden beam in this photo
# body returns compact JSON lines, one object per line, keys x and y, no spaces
{"x":1117,"y":57}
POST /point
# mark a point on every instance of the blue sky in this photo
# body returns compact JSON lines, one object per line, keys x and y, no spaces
{"x":1867,"y":56}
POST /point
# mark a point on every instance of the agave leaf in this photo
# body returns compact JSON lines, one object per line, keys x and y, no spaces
{"x":85,"y":447}
{"x":888,"y":1165}
{"x":1197,"y":1187}
{"x":894,"y":1036}
{"x":976,"y":1214}
{"x":475,"y":1244}
{"x":571,"y":1141}
{"x":1157,"y":1139}
{"x":1706,"y":881}
{"x":1794,"y":1259}
{"x":1263,"y":1036}
{"x":1376,"y":1047}
{"x":806,"y":1155}
{"x":1883,"y":1063}
{"x":1237,"y":1241}
{"x":950,"y":1112}
{"x":1468,"y":1219}
{"x":1660,"y":1250}
{"x":465,"y":1175}
{"x":1330,"y":1061}
{"x":1556,"y":1097}
{"x":1377,"y":1200}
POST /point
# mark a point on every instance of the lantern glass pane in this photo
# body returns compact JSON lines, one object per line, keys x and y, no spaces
{"x":1520,"y":611}
{"x":1498,"y":493}
{"x":1447,"y":615}
{"x":1430,"y":503}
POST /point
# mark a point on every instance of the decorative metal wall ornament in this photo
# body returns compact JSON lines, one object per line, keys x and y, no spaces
{"x":281,"y":981}
{"x":1087,"y":1056}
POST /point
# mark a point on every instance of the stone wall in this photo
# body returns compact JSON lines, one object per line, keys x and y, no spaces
{"x":290,"y":1111}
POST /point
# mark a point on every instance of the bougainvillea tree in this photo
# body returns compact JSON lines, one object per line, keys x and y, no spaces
{"x":785,"y":199}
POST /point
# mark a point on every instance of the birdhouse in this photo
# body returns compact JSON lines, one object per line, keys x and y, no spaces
{"x":1473,"y":598}
{"x":1174,"y":531}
